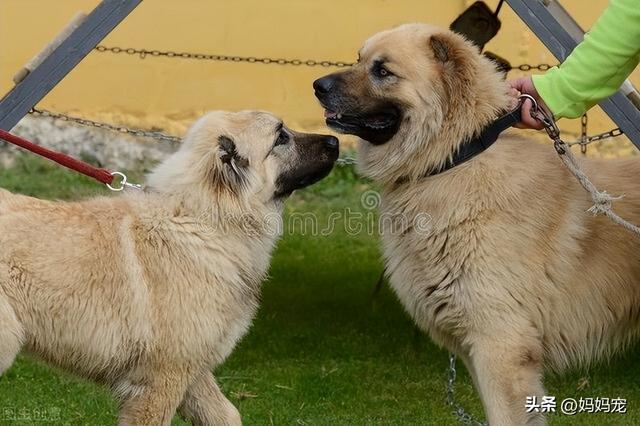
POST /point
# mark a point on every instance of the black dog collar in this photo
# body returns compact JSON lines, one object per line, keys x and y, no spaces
{"x":478,"y":144}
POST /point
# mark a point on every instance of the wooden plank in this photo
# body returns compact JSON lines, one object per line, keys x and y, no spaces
{"x":100,"y":22}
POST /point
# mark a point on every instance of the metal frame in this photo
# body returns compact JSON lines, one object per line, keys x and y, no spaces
{"x":561,"y":34}
{"x":100,"y":22}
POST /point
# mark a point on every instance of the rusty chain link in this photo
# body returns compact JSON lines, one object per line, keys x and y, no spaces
{"x":529,"y":67}
{"x":105,"y":126}
{"x":584,"y":120}
{"x":600,"y":136}
{"x":143,"y":53}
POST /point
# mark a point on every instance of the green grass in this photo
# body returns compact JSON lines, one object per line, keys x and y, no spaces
{"x":324,"y":350}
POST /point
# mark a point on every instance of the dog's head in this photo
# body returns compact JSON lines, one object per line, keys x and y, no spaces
{"x":415,"y":93}
{"x":247,"y":156}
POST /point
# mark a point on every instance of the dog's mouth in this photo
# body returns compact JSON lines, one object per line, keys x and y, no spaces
{"x":376,"y":127}
{"x":319,"y":157}
{"x":288,"y":184}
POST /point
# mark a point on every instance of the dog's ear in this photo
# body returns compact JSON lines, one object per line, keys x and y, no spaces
{"x":226,"y":143}
{"x":227,"y":148}
{"x":447,"y":51}
{"x":456,"y":63}
{"x":441,"y":48}
{"x":229,"y":153}
{"x":231,"y":159}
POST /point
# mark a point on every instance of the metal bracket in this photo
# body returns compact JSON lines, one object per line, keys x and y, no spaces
{"x":553,"y":25}
{"x":100,"y":22}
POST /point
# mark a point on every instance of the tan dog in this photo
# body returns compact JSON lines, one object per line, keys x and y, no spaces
{"x":148,"y":292}
{"x":512,"y":274}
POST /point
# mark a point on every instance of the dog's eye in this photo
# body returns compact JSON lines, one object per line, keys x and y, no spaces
{"x":282,"y":139}
{"x":380,"y":71}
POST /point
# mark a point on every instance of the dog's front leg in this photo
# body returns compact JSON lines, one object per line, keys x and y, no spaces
{"x":204,"y":404}
{"x":156,"y":402}
{"x":507,"y":368}
{"x":11,"y":333}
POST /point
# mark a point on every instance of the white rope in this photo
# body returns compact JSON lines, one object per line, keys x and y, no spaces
{"x":601,"y":200}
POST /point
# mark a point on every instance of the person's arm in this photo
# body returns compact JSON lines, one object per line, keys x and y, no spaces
{"x":597,"y":66}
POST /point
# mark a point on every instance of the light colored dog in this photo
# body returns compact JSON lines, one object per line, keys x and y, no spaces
{"x":148,"y":292}
{"x":512,"y":274}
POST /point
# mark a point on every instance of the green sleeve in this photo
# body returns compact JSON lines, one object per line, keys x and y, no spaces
{"x":598,"y":66}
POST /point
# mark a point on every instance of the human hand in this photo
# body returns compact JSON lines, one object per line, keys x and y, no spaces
{"x":524,"y":86}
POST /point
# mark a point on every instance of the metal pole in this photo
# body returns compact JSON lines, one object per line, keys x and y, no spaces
{"x":104,"y":18}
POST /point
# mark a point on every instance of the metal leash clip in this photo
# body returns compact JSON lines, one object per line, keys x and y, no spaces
{"x":123,"y":183}
{"x":547,"y":121}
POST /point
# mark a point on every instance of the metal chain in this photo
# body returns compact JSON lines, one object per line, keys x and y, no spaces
{"x":600,"y":136}
{"x":105,"y":126}
{"x":584,"y":120}
{"x":345,"y":161}
{"x":143,"y":53}
{"x":529,"y":67}
{"x":464,"y":417}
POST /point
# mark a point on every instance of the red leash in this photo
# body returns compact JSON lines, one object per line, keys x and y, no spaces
{"x":101,"y":175}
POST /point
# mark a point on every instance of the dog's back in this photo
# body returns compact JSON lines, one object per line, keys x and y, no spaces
{"x":57,"y":275}
{"x":10,"y":202}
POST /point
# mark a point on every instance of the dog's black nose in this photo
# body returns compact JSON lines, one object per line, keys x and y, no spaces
{"x":331,"y":142}
{"x":324,"y":84}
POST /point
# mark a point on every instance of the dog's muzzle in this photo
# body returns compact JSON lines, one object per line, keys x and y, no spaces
{"x":377,"y":122}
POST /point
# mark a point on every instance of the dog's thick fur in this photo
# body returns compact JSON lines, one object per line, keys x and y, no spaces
{"x":512,"y":274}
{"x":148,"y":292}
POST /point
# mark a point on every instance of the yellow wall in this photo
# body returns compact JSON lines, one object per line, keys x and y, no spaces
{"x":168,"y":93}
